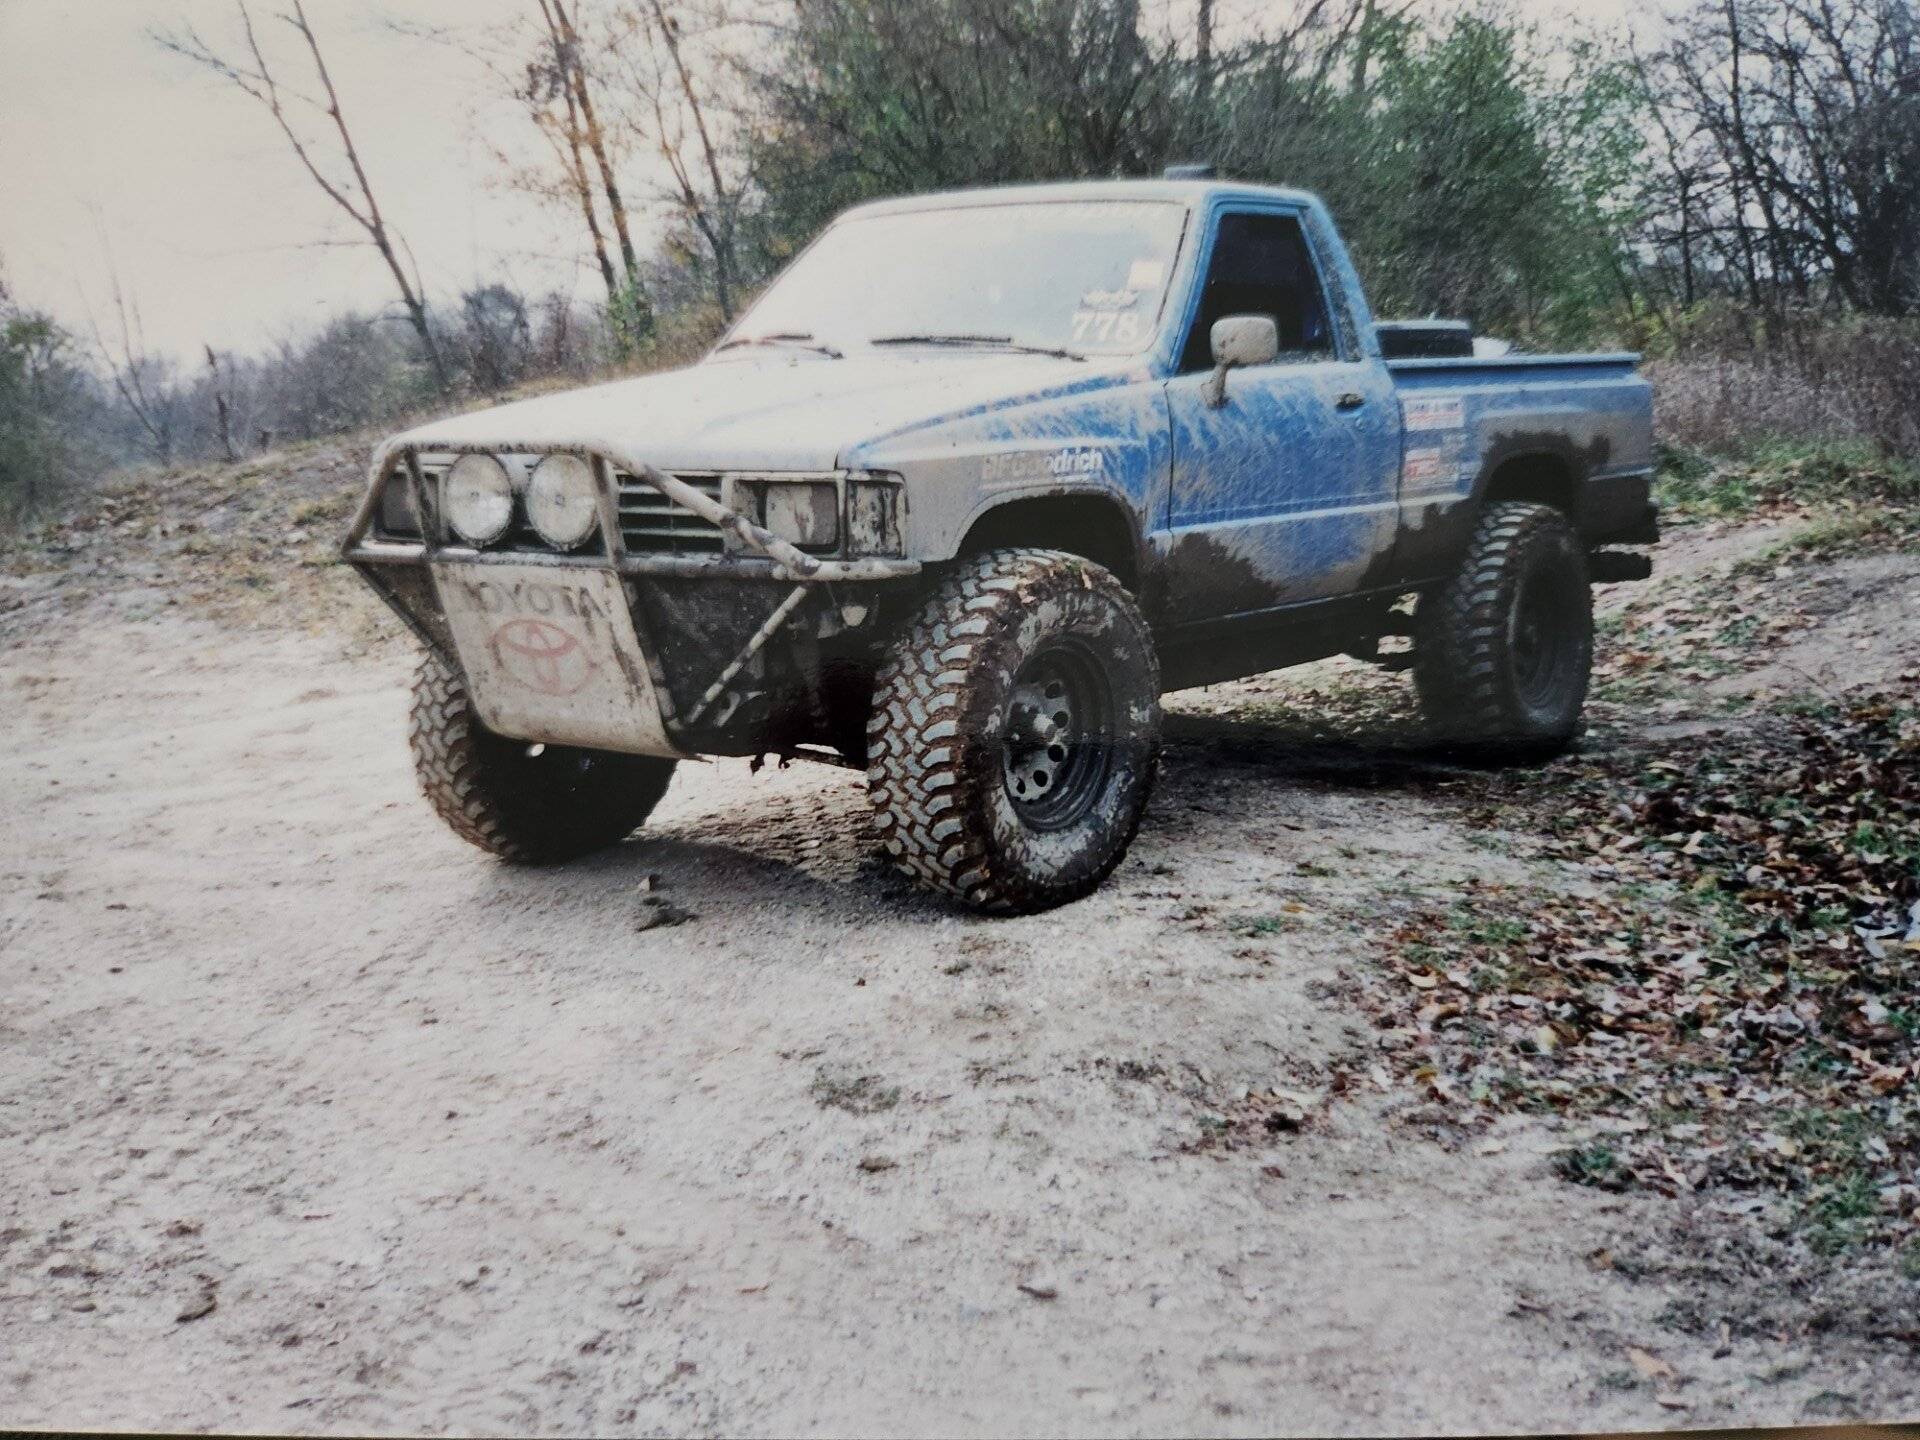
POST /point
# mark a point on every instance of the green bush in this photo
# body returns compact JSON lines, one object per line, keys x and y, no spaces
{"x":37,"y":387}
{"x":1847,"y":473}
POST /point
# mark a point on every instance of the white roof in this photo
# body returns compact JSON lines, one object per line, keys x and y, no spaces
{"x":1183,"y":192}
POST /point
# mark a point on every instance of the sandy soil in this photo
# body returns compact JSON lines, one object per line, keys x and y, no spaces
{"x":315,"y":1119}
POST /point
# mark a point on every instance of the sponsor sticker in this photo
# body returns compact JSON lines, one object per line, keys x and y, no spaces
{"x":1429,"y":467}
{"x":1436,"y":412}
{"x":1146,"y":274}
{"x":1018,"y":466}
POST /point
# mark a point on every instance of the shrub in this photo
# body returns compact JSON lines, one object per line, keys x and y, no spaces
{"x":1731,"y":384}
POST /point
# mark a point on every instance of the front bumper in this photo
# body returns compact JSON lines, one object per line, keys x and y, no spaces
{"x":703,"y":626}
{"x":372,"y":552}
{"x":763,"y":554}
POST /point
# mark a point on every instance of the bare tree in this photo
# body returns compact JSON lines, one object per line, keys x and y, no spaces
{"x":255,"y":78}
{"x":496,"y":335}
{"x":222,"y":407}
{"x":1794,"y":132}
{"x":139,"y":376}
{"x":533,"y":66}
{"x":570,"y":58}
{"x":569,"y":140}
{"x":684,"y":126}
{"x":1203,"y":49}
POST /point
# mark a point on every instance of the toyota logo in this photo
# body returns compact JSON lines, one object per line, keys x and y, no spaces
{"x":541,"y":656}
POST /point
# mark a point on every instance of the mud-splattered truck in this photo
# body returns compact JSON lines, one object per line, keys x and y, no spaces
{"x":973,"y":483}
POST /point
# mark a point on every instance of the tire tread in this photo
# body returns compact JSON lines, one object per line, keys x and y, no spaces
{"x":918,"y":767}
{"x":1460,"y":644}
{"x":451,"y":760}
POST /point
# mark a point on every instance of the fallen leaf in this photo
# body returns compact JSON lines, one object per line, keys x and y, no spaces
{"x":1650,"y":1364}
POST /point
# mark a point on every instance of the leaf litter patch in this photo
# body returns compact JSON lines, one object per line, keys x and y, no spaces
{"x":1719,"y":997}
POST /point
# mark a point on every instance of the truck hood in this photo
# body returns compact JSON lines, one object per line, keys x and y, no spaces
{"x":773,"y":412}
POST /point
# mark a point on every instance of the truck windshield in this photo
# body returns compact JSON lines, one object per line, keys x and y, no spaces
{"x":1085,"y":277}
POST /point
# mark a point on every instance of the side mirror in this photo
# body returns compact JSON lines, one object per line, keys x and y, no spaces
{"x":1239,"y":340}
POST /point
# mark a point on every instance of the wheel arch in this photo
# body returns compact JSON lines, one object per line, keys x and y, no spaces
{"x":1544,"y":476}
{"x":1092,"y":524}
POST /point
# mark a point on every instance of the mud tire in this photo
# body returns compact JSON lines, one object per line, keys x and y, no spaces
{"x":527,"y":810}
{"x":946,"y":708}
{"x":1503,"y":650}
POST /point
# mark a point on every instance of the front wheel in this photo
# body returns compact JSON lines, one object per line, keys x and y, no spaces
{"x":1503,"y":649}
{"x":527,"y":804}
{"x":1015,"y":731}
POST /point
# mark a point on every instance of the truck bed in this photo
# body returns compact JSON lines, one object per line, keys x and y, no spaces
{"x":1576,"y":429}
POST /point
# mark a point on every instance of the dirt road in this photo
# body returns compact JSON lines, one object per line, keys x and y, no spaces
{"x":315,"y":1119}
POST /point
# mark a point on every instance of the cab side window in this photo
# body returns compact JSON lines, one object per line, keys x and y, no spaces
{"x":1261,"y":266}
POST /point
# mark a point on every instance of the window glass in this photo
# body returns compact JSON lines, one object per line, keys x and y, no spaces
{"x":1261,"y":266}
{"x":1087,"y":276}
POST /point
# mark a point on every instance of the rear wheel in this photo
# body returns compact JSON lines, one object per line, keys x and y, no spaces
{"x":528,"y":804}
{"x":1504,"y":648}
{"x":1015,"y":731}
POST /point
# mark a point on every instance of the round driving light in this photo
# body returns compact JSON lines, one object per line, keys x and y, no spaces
{"x":561,"y":501}
{"x":479,"y":499}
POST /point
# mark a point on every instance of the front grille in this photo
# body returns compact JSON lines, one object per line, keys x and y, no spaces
{"x":651,"y":524}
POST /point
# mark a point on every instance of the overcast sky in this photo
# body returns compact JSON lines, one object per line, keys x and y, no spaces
{"x":109,"y":147}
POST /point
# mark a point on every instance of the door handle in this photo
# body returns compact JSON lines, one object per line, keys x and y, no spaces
{"x":1352,"y":400}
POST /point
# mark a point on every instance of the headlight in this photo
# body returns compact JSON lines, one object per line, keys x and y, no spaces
{"x":561,"y":501}
{"x":804,"y":513}
{"x":479,"y":499}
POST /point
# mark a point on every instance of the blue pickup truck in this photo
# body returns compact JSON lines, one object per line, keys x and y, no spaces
{"x":976,"y":480}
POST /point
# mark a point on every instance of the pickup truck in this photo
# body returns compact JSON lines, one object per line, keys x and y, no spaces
{"x":973,"y":483}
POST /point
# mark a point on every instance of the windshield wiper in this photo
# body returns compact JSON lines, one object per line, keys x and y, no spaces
{"x":798,"y":338}
{"x":996,"y":342}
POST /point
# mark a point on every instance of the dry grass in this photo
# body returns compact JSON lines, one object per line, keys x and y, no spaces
{"x":1732,"y":384}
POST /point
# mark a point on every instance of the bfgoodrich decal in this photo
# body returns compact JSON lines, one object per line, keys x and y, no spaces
{"x":1020,"y":466}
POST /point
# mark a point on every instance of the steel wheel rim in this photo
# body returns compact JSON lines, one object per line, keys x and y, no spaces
{"x":1543,"y":633}
{"x":1056,"y":753}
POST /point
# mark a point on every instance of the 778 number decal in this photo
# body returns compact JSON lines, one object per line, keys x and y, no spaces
{"x":1102,"y":326}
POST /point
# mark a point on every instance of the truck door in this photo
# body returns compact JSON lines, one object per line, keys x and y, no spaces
{"x":1289,"y":491}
